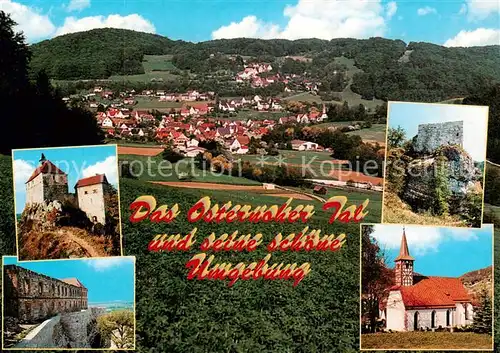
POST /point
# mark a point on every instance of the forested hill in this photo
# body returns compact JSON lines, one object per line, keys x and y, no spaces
{"x":390,"y":69}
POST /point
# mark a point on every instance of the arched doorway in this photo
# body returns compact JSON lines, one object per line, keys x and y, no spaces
{"x":415,"y":321}
{"x":448,"y":317}
{"x":433,"y":319}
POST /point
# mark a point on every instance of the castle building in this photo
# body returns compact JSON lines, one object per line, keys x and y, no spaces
{"x":91,"y":193}
{"x":432,"y":136}
{"x":47,"y":183}
{"x":33,"y":297}
{"x":419,"y":302}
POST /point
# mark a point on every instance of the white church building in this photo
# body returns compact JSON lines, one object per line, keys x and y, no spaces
{"x":418,"y":302}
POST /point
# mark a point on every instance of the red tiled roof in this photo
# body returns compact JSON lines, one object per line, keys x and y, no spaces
{"x":73,"y":281}
{"x":96,"y":179}
{"x":46,"y":168}
{"x":434,"y":292}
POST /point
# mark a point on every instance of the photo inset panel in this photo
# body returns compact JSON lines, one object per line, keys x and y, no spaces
{"x":67,"y":202}
{"x":434,"y":172}
{"x":69,"y":304}
{"x":426,"y":288}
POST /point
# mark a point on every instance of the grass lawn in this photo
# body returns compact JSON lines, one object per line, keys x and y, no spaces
{"x":426,"y":340}
{"x":132,"y":144}
{"x":375,"y":133}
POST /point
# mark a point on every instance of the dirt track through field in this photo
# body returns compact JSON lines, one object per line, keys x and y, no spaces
{"x":211,"y":186}
{"x":140,"y":151}
{"x":214,"y":186}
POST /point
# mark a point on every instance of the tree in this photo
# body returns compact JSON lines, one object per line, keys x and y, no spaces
{"x":33,"y":112}
{"x":396,"y":137}
{"x":172,"y":156}
{"x":482,"y":322}
{"x":117,"y":326}
{"x":441,"y":188}
{"x":376,"y":278}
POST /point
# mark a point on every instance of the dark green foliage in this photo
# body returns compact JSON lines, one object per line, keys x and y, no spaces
{"x":396,"y":137}
{"x":172,"y":156}
{"x":98,"y":53}
{"x":441,"y":188}
{"x":34,"y":115}
{"x":397,"y":164}
{"x":492,"y":190}
{"x":483,"y":314}
{"x":433,"y":72}
{"x":320,"y":314}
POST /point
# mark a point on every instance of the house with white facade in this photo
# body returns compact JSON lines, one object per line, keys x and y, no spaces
{"x":419,"y":302}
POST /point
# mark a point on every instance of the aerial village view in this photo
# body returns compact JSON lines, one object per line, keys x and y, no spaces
{"x":294,"y":141}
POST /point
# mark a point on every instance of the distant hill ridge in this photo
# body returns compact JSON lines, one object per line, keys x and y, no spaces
{"x":428,"y":71}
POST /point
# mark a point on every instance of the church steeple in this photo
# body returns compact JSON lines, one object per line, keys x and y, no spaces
{"x":404,"y":264}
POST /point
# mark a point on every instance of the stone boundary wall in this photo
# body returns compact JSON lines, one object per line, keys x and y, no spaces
{"x":41,"y":336}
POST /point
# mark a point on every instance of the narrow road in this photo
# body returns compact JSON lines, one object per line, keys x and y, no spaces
{"x":89,"y":249}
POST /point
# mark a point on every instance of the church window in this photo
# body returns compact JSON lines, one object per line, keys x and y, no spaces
{"x":415,"y":321}
{"x":448,"y":318}
{"x":433,"y":319}
{"x":94,"y":191}
{"x":86,"y":192}
{"x":466,"y":312}
{"x":41,"y":287}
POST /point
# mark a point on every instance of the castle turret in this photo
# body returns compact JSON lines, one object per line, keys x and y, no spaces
{"x":47,"y":183}
{"x":404,"y":264}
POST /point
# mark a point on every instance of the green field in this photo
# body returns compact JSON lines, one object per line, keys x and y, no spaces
{"x":154,"y":103}
{"x":158,"y":63}
{"x":161,"y":76}
{"x":374,"y":133}
{"x":157,"y":169}
{"x":347,"y":94}
{"x":427,"y":340}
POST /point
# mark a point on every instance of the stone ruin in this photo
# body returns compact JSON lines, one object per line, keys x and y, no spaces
{"x":432,"y":136}
{"x":432,"y":141}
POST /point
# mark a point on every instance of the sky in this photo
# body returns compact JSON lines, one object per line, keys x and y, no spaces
{"x":450,"y":23}
{"x":107,"y":279}
{"x":439,"y":251}
{"x":78,"y":162}
{"x":475,"y":118}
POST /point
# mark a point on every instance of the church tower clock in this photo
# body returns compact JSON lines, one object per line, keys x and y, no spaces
{"x":404,"y":265}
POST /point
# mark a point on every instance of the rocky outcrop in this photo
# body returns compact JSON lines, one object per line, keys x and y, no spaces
{"x":461,"y":175}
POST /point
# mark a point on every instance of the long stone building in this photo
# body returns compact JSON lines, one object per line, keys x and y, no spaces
{"x":33,"y":297}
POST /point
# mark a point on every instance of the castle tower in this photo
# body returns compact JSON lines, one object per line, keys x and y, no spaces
{"x":404,"y":265}
{"x":47,"y":183}
{"x":91,"y":194}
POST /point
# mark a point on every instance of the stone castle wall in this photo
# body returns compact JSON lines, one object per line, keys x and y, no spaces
{"x":33,"y":297}
{"x":46,"y":187}
{"x":67,"y":330}
{"x":432,"y":136}
{"x":55,"y":186}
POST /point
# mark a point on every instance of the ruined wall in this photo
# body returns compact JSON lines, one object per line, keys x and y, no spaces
{"x":67,"y":330}
{"x":91,"y":201}
{"x":32,"y":297}
{"x":432,"y":136}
